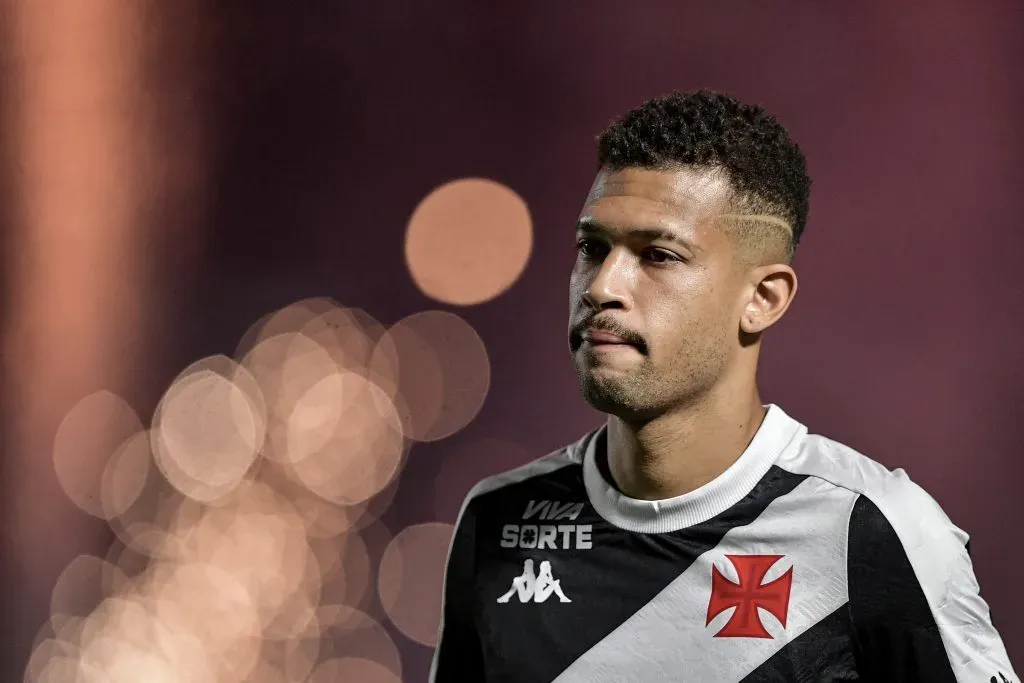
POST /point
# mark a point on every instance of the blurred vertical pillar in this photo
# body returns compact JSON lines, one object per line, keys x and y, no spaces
{"x":103,"y":173}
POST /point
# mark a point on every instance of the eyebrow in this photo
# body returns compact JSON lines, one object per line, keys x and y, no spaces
{"x":592,"y":227}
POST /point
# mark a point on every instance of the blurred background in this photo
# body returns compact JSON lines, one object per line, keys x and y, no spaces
{"x":281,"y":281}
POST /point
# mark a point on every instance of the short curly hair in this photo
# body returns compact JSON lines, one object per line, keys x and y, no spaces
{"x":708,"y":129}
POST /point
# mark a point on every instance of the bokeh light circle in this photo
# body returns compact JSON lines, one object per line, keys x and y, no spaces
{"x":468,"y":241}
{"x":87,"y":438}
{"x":363,"y":454}
{"x":411,"y":578}
{"x":443,"y":372}
{"x":207,"y":431}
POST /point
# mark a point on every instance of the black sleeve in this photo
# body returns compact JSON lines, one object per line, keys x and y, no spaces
{"x":458,"y":657}
{"x":896,"y":634}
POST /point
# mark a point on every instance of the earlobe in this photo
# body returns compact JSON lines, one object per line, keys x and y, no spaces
{"x":748,"y":323}
{"x":753,"y":320}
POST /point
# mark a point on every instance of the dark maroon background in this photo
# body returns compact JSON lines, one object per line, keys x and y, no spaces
{"x":329,"y":121}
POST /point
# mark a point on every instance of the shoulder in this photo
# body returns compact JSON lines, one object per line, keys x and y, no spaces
{"x":900,"y":502}
{"x":543,"y":466}
{"x":536,"y":472}
{"x":894,"y":522}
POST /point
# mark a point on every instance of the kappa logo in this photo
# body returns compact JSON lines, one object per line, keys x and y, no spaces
{"x":549,"y":536}
{"x":537,"y":588}
{"x":748,"y":595}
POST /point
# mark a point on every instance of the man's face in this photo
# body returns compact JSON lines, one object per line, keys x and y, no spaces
{"x":655,"y":268}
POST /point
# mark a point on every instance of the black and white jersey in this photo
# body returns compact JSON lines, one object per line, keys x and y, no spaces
{"x":804,"y":561}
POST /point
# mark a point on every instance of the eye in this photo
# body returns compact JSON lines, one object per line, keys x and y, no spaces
{"x":590,"y":248}
{"x":657,"y":255}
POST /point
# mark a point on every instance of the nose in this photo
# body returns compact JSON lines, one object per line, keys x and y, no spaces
{"x":610,"y":286}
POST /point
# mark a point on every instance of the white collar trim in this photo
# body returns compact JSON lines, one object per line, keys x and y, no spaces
{"x":777,"y":433}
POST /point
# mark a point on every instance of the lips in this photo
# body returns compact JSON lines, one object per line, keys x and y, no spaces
{"x":602,"y":337}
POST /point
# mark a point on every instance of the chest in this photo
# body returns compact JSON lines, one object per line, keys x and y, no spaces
{"x":560,"y":594}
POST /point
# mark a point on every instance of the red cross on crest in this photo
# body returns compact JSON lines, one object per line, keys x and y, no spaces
{"x":748,"y":595}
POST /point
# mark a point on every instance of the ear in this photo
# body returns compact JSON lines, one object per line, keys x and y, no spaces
{"x":774,"y":287}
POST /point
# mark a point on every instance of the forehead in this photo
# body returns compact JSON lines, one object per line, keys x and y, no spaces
{"x":683,"y":199}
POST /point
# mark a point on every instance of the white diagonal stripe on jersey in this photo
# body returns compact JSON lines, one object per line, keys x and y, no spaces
{"x":808,"y":527}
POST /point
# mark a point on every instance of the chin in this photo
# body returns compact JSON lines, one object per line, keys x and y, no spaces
{"x":636,"y":396}
{"x":612,"y":398}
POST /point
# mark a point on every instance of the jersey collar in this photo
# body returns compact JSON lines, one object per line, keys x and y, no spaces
{"x":778,"y":431}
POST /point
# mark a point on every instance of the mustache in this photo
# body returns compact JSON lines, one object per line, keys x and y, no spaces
{"x":605,"y":325}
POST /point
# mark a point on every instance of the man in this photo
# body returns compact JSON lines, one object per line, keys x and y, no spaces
{"x":700,"y":535}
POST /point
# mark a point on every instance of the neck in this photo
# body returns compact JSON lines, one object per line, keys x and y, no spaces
{"x":685,"y":448}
